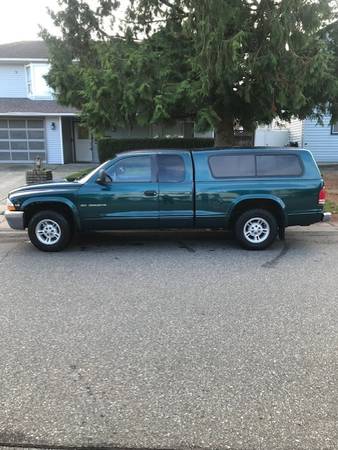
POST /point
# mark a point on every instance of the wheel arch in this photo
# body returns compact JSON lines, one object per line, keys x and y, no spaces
{"x":270,"y":203}
{"x":63,"y":206}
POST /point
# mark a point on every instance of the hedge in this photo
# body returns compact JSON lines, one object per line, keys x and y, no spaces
{"x":108,"y":148}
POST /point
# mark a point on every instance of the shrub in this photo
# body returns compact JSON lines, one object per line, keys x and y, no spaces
{"x":108,"y":148}
{"x":77,"y":175}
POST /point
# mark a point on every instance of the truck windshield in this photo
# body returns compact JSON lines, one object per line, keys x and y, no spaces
{"x":93,"y":172}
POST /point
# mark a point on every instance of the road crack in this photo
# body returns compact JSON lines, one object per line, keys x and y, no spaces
{"x":276,"y":260}
{"x":8,"y":253}
{"x":186,"y":247}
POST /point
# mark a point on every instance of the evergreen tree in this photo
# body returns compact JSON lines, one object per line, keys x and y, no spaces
{"x":221,"y":63}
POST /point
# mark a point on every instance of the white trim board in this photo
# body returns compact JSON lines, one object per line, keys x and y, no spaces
{"x":61,"y":140}
{"x":40,"y":114}
{"x":23,"y":59}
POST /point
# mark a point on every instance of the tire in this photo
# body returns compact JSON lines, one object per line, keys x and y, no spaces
{"x":49,"y":226}
{"x":256,"y":229}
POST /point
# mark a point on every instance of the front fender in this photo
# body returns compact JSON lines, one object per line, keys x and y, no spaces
{"x":50,"y":199}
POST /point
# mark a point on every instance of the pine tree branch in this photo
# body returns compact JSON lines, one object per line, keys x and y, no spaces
{"x":173,"y":7}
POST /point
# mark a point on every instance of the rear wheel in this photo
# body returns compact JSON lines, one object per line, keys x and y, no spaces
{"x":256,"y":229}
{"x":49,"y":231}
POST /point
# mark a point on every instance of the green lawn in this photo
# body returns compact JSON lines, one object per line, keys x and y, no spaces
{"x":331,"y":207}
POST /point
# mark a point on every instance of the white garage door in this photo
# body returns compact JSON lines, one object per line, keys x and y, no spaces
{"x":22,"y":140}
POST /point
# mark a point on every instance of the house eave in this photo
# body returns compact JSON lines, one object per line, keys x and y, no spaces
{"x":23,"y":60}
{"x":39,"y":114}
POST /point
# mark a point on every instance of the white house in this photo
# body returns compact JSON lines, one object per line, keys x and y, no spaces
{"x":321,"y":140}
{"x":33,"y":124}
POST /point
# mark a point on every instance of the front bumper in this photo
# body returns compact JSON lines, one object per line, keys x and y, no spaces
{"x":15,"y":219}
{"x":327,"y":216}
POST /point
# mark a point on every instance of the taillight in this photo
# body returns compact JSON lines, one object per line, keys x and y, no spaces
{"x":322,"y":196}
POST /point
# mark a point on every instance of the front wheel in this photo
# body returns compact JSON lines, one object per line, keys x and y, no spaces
{"x":49,"y":231}
{"x":256,"y":229}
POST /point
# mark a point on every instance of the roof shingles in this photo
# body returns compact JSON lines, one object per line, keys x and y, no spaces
{"x":24,"y":50}
{"x":29,"y":50}
{"x":17,"y":106}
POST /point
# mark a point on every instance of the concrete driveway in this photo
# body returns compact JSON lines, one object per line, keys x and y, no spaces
{"x":170,"y":340}
{"x":13,"y":175}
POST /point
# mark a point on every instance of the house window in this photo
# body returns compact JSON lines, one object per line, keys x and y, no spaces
{"x":35,"y":78}
{"x":334,"y":128}
{"x":41,"y":88}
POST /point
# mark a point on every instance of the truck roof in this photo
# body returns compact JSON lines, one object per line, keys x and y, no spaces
{"x":211,"y":149}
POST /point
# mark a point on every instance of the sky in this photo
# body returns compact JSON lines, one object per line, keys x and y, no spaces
{"x":20,"y":19}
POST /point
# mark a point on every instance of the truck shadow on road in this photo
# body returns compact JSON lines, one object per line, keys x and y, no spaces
{"x":190,"y":241}
{"x":198,"y":243}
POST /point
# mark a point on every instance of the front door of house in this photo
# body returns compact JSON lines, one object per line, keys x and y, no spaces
{"x":83,"y":144}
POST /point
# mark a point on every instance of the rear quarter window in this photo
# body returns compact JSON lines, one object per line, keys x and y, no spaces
{"x":171,"y":169}
{"x":278,"y":166}
{"x":225,"y":166}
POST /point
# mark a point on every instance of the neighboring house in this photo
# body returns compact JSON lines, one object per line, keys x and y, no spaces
{"x":270,"y":136}
{"x":321,"y":140}
{"x":33,"y":124}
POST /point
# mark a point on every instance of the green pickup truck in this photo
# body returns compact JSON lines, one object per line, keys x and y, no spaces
{"x":257,"y":193}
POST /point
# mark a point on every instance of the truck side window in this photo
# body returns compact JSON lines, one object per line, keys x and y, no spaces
{"x":171,"y":169}
{"x":132,"y":169}
{"x":227,"y":166}
{"x":278,"y":165}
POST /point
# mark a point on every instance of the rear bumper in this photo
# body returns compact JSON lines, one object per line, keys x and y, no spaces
{"x":15,"y":219}
{"x":326,"y":217}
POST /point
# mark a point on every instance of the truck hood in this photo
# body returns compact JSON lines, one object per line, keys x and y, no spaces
{"x":49,"y":187}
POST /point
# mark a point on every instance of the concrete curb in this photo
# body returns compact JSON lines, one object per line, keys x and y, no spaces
{"x":320,"y":229}
{"x":12,"y":232}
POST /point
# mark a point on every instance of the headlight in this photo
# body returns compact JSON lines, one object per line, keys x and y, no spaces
{"x":10,"y":206}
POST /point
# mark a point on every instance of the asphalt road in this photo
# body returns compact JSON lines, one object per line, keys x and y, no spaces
{"x":170,"y":340}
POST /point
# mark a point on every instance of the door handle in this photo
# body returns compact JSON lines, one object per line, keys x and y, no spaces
{"x":150,"y":193}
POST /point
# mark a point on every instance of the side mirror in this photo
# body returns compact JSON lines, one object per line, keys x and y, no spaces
{"x":103,"y":178}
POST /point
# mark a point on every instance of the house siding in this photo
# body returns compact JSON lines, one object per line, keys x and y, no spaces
{"x":320,"y":141}
{"x":12,"y":81}
{"x":295,"y":128}
{"x":54,"y":141}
